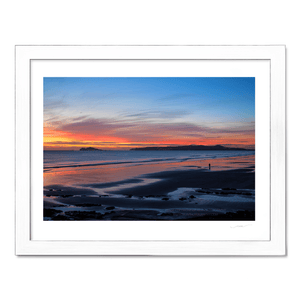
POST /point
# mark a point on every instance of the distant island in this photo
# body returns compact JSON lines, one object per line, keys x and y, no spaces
{"x":190,"y":147}
{"x":90,"y":149}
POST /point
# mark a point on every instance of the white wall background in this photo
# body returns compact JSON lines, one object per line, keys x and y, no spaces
{"x":211,"y":22}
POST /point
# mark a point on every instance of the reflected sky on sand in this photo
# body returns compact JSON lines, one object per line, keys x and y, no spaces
{"x":117,"y":173}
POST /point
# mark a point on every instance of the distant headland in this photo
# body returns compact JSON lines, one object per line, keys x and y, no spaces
{"x":190,"y":147}
{"x":90,"y":149}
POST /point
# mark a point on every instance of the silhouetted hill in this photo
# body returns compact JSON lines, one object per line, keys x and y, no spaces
{"x":190,"y":147}
{"x":90,"y":149}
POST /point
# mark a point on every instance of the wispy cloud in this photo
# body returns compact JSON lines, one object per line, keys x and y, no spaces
{"x":154,"y":115}
{"x":54,"y":104}
{"x":118,"y":131}
{"x":96,"y":127}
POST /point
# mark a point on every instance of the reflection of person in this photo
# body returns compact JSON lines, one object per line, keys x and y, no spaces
{"x":209,"y":166}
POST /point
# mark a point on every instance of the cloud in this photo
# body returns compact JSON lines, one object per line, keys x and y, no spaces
{"x":54,"y":104}
{"x":79,"y":118}
{"x":154,"y":115}
{"x":130,"y":131}
{"x":93,"y":126}
{"x":114,"y":132}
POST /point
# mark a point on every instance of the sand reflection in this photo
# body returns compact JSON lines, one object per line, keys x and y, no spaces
{"x":80,"y":176}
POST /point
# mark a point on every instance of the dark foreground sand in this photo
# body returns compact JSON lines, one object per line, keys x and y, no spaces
{"x":177,"y":195}
{"x":239,"y":179}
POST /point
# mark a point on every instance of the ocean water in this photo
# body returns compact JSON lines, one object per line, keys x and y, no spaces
{"x":62,"y":159}
{"x":111,"y":170}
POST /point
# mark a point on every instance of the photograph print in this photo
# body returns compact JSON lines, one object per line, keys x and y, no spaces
{"x":149,"y":148}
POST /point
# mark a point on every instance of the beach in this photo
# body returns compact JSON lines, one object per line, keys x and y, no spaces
{"x":150,"y":186}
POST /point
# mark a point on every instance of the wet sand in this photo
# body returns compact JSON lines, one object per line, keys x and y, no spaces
{"x":195,"y":194}
{"x":171,"y":180}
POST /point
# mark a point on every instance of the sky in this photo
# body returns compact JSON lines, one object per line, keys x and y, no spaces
{"x":124,"y":113}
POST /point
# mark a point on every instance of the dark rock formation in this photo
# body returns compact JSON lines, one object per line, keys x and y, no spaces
{"x":190,"y":147}
{"x":90,"y":149}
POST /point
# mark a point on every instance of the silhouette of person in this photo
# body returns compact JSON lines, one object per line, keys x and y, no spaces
{"x":209,"y":166}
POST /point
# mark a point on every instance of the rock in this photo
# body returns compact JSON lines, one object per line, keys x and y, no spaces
{"x":60,"y":218}
{"x":88,"y":204}
{"x":90,"y":149}
{"x":110,"y":207}
{"x":49,"y":212}
{"x":167,"y":214}
{"x":200,"y":191}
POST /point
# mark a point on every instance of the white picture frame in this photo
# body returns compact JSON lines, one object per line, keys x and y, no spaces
{"x":274,"y":244}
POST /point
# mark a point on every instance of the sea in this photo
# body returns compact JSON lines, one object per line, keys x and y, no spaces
{"x":64,"y":159}
{"x":125,"y":169}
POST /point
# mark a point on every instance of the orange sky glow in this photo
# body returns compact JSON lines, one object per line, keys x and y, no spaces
{"x":63,"y":140}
